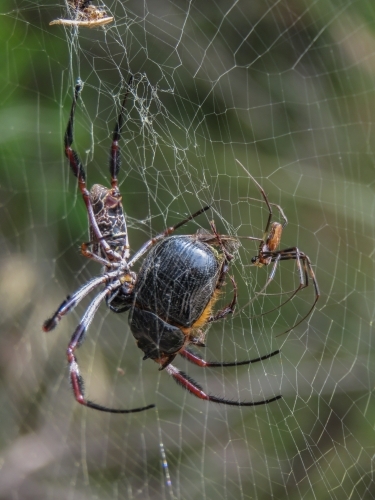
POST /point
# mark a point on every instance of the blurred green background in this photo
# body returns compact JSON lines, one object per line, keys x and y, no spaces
{"x":286,"y":87}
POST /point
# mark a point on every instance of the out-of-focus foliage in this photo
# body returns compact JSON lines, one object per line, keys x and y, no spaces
{"x":287,"y":88}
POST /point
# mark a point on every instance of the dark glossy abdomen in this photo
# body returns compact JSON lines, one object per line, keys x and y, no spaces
{"x":177,"y":279}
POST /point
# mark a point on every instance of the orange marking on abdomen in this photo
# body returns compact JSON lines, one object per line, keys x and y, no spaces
{"x":207,"y":313}
{"x":274,"y":237}
{"x":205,"y":316}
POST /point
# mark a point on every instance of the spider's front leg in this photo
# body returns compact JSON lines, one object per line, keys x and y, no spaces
{"x":73,"y":300}
{"x":79,"y":172}
{"x":107,"y":205}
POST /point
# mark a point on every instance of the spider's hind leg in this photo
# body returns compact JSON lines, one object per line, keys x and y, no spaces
{"x":76,"y":341}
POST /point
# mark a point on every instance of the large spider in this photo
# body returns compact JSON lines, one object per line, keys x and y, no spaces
{"x":171,"y":299}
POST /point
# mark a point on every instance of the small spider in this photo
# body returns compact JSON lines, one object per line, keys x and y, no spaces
{"x":84,"y":15}
{"x":268,"y":253}
{"x":171,"y":299}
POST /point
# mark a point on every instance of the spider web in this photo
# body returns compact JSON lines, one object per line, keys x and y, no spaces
{"x":285,"y":87}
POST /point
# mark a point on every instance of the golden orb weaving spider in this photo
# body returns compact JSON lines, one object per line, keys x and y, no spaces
{"x":171,"y":299}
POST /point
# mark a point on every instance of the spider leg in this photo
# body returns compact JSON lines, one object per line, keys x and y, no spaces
{"x":307,"y":270}
{"x":263,"y":193}
{"x":115,"y":163}
{"x":79,"y":172}
{"x":74,"y":160}
{"x":229,"y":309}
{"x":250,"y":238}
{"x":194,"y":388}
{"x":84,"y":248}
{"x":270,"y":278}
{"x":228,"y":256}
{"x":304,"y":269}
{"x":96,"y":258}
{"x":282,"y":213}
{"x":72,"y":300}
{"x":168,"y":231}
{"x":115,"y":156}
{"x":75,"y":342}
{"x":197,"y":360}
{"x":295,"y":254}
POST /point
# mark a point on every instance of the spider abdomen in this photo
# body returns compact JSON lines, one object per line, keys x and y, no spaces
{"x":173,"y":294}
{"x":178,"y":279}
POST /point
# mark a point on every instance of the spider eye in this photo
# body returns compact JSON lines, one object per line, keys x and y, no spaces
{"x":255,"y":259}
